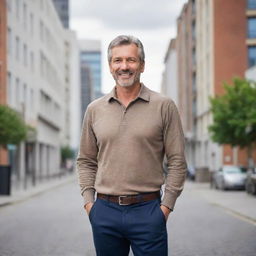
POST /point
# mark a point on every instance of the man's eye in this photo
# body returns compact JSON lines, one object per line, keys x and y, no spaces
{"x":117,"y":60}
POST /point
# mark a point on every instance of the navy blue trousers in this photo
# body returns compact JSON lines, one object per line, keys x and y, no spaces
{"x":116,"y":228}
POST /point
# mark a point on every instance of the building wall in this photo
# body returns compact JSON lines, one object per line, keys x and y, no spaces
{"x":207,"y":153}
{"x":169,"y":82}
{"x":222,"y":55}
{"x":3,"y":52}
{"x":37,"y":81}
{"x":186,"y":56}
{"x":74,"y":83}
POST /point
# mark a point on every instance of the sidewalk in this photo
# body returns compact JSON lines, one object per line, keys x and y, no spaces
{"x":21,"y":195}
{"x":238,"y":203}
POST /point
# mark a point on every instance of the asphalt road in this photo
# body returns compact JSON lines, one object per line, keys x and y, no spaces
{"x":55,"y":224}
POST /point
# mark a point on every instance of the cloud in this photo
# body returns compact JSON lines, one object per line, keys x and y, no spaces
{"x":139,"y":14}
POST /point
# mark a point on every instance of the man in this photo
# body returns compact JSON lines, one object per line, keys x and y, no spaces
{"x":125,"y":136}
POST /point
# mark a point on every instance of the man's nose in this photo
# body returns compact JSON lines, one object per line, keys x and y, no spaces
{"x":124,"y":65}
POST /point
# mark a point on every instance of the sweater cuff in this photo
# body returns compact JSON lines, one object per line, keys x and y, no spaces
{"x":88,"y":196}
{"x":169,"y":199}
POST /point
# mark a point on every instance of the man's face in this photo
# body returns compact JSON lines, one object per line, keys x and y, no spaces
{"x":125,"y":65}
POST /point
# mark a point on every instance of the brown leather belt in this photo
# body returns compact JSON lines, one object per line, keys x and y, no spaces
{"x":130,"y":199}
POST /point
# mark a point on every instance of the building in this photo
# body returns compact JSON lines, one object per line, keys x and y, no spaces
{"x":38,"y":84}
{"x":73,"y":116}
{"x":3,"y":68}
{"x":216,"y":41}
{"x":90,"y":64}
{"x":169,"y":86}
{"x":186,"y":68}
{"x":62,"y":8}
{"x":250,"y":73}
{"x":226,"y":43}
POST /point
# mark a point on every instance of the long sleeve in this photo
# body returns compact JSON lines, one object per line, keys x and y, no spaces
{"x":87,"y":159}
{"x":174,"y":150}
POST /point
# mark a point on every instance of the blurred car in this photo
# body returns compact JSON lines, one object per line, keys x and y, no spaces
{"x":229,"y":177}
{"x":250,"y":183}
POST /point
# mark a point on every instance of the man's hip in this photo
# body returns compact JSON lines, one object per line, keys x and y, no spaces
{"x":140,"y":225}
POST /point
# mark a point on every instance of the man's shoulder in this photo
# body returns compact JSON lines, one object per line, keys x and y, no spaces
{"x":97,"y":103}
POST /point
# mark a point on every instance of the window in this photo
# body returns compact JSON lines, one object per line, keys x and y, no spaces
{"x":251,"y":56}
{"x":17,"y":92}
{"x":25,"y":55}
{"x":9,"y":88}
{"x":24,"y":94}
{"x":17,"y":54}
{"x":31,"y":99}
{"x":31,"y":23}
{"x":41,"y":30}
{"x":25,"y":15}
{"x":18,"y":9}
{"x":251,"y":26}
{"x":32,"y":61}
{"x":251,"y":4}
{"x":193,"y":7}
{"x":9,"y":41}
{"x":9,"y":5}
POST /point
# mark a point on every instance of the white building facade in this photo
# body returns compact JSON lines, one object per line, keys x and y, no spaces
{"x":38,"y":83}
{"x":169,"y":86}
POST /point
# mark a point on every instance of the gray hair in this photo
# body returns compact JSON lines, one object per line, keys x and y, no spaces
{"x":126,"y":40}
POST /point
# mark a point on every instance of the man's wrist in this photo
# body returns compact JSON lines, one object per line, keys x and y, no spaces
{"x":87,"y":204}
{"x":171,"y":210}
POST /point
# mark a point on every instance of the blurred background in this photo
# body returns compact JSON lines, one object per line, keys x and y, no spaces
{"x":53,"y":63}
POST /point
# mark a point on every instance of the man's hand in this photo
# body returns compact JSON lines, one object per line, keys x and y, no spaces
{"x":88,"y":207}
{"x":166,"y":211}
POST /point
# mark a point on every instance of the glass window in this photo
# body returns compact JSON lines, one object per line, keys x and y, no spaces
{"x":17,"y":48}
{"x":251,"y":4}
{"x":32,"y":61}
{"x":17,"y":9}
{"x":31,"y":100}
{"x":252,"y":56}
{"x":251,"y":27}
{"x":17,"y":92}
{"x":25,"y":55}
{"x":9,"y":41}
{"x":9,"y":5}
{"x":31,"y":23}
{"x":9,"y":88}
{"x":25,"y":15}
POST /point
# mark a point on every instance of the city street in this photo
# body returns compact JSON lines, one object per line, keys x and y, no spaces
{"x":54,"y":223}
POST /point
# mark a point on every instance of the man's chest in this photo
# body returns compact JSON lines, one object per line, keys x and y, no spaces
{"x":134,"y":123}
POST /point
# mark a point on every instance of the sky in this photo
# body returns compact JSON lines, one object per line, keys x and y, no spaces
{"x":152,"y":21}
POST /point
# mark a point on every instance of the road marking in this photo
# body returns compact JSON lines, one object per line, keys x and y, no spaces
{"x":237,"y":214}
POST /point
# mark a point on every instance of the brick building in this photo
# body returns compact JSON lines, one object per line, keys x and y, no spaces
{"x":3,"y":58}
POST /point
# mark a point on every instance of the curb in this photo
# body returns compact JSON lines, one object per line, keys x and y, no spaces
{"x":11,"y":200}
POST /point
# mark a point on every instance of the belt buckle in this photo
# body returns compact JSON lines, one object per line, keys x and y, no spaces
{"x":119,"y":200}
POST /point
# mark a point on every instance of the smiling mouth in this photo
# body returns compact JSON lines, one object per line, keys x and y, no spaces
{"x":126,"y":74}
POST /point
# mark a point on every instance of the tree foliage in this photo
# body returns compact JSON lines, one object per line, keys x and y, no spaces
{"x":12,"y":127}
{"x":234,"y":114}
{"x":66,"y":153}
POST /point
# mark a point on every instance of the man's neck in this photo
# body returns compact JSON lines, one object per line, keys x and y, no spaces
{"x":127,"y":94}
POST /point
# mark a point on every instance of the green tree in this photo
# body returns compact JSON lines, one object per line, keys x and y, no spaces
{"x":234,"y":116}
{"x":12,"y":128}
{"x":66,"y":153}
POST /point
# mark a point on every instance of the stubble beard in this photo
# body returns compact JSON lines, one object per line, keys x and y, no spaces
{"x":129,"y":82}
